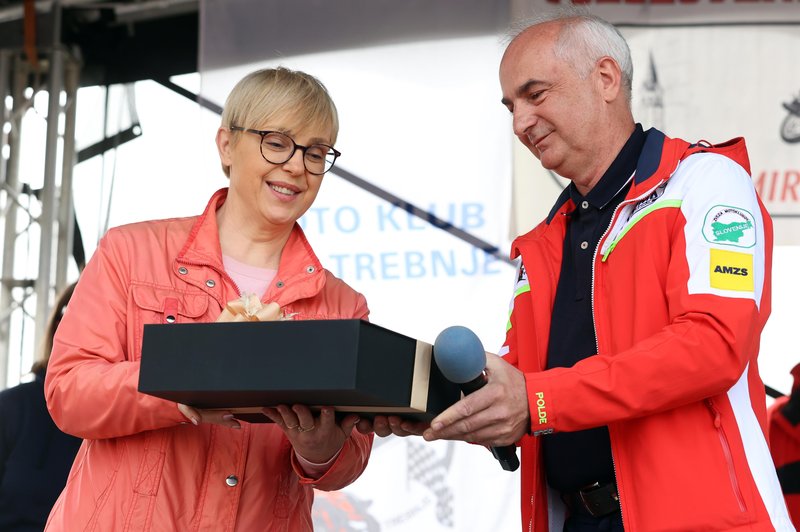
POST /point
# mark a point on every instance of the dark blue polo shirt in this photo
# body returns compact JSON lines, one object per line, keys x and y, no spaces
{"x":574,"y":460}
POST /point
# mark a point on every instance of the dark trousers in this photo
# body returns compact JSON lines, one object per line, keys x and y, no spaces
{"x":586,"y":523}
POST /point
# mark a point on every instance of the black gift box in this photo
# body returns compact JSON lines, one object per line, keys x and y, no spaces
{"x":351,"y":365}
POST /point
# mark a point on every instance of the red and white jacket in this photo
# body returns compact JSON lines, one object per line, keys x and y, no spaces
{"x":680,"y":294}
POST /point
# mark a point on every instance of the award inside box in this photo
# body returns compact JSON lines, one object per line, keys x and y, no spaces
{"x":350,"y":365}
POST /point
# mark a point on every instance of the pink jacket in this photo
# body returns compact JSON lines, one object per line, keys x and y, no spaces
{"x":141,"y":467}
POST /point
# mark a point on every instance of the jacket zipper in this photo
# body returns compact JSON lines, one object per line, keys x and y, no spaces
{"x":597,"y":341}
{"x":600,"y":244}
{"x":726,"y":450}
{"x":603,"y":237}
{"x":594,"y":325}
{"x":625,"y":203}
{"x":530,"y":521}
{"x":594,"y":318}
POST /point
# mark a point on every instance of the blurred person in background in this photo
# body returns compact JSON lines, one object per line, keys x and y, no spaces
{"x":35,"y":456}
{"x":784,"y":444}
{"x":151,"y":464}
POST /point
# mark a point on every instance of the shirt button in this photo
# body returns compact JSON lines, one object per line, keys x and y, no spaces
{"x":232,"y":480}
{"x":279,"y":284}
{"x":210,"y":283}
{"x":585,"y":204}
{"x":182,"y":270}
{"x":584,"y":244}
{"x":170,"y":319}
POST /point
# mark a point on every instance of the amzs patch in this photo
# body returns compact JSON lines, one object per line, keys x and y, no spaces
{"x":729,"y":226}
{"x":731,"y":270}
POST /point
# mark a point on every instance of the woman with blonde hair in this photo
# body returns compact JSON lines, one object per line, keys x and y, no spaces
{"x":151,"y":464}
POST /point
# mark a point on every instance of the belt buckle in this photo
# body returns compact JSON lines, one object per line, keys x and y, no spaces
{"x":595,"y":510}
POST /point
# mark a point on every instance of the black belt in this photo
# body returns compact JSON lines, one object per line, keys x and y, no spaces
{"x":596,"y":500}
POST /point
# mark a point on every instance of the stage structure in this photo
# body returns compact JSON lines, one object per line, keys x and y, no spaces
{"x":42,"y":216}
{"x":47,"y":51}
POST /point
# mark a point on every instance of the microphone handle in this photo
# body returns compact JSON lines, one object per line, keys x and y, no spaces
{"x":506,"y":455}
{"x":475,"y":384}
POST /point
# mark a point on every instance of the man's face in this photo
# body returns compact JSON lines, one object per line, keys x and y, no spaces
{"x":556,"y":113}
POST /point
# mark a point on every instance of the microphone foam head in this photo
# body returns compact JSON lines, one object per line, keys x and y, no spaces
{"x":459,"y":354}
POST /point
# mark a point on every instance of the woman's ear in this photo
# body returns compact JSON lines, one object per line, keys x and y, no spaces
{"x":224,"y":145}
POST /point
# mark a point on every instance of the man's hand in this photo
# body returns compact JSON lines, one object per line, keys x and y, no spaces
{"x":385,"y":425}
{"x":495,"y":415}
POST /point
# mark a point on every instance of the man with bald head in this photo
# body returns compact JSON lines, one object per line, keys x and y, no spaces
{"x":629,"y":375}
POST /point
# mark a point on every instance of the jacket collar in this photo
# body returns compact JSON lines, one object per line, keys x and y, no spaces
{"x":650,"y":163}
{"x":300,"y":273}
{"x":658,"y":160}
{"x":202,"y":244}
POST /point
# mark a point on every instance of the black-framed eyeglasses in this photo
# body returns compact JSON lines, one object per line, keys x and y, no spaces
{"x":277,"y":148}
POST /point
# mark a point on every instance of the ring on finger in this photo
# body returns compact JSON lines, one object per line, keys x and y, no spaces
{"x":302,"y":429}
{"x":292,"y":427}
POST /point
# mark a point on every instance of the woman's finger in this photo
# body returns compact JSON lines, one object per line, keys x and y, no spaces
{"x":305,"y":419}
{"x":190,"y":413}
{"x":289,"y":417}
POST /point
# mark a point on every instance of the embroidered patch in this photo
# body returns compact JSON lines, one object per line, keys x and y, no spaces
{"x":729,"y":226}
{"x":523,"y":275}
{"x":649,"y":200}
{"x":731,"y":270}
{"x":541,"y":408}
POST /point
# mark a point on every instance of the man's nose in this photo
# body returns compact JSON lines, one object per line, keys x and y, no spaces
{"x":523,"y":119}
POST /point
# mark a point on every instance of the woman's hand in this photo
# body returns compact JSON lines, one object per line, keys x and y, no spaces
{"x":218,"y":417}
{"x":315,"y":438}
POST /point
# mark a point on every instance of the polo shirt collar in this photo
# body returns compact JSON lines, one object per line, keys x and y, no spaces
{"x":616,"y":178}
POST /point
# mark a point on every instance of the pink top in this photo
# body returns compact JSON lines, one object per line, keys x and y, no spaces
{"x":249,"y":279}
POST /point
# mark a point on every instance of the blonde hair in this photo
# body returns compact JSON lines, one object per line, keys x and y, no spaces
{"x":271,"y":93}
{"x":52,"y":325}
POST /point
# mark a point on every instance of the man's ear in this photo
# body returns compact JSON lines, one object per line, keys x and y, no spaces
{"x":609,"y":78}
{"x":224,"y":145}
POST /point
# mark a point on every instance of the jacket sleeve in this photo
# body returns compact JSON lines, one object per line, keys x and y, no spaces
{"x":92,"y":379}
{"x":522,"y":289}
{"x":713,"y":318}
{"x":347,"y":467}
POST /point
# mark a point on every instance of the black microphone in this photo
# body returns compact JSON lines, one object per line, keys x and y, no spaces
{"x":461,"y":358}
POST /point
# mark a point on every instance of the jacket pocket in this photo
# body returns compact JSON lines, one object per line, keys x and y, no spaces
{"x":162,"y":305}
{"x":726,"y":451}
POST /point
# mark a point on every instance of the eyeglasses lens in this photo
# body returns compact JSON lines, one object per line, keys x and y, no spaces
{"x":278,"y":148}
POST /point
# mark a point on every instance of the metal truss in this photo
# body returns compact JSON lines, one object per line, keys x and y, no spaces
{"x":37,"y":223}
